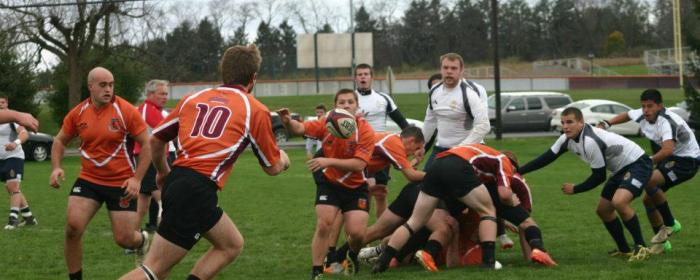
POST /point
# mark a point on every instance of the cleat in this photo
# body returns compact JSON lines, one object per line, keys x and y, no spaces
{"x":617,"y":253}
{"x":334,"y":268}
{"x":382,"y":263}
{"x":426,"y":260}
{"x":505,"y":241}
{"x":676,"y":226}
{"x":496,"y":266}
{"x":316,"y":276}
{"x":28,"y":221}
{"x":542,"y":258}
{"x":370,"y":252}
{"x":667,"y":247}
{"x":352,"y":266}
{"x":659,"y":248}
{"x":12,"y":223}
{"x":640,"y":253}
{"x":663,"y":235}
{"x":141,"y":251}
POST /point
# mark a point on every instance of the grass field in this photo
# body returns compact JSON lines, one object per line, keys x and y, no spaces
{"x":276,"y":217}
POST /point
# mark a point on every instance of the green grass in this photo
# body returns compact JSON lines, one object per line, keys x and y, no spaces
{"x":276,"y":218}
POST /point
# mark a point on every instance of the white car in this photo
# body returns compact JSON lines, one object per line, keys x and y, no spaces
{"x":596,"y":110}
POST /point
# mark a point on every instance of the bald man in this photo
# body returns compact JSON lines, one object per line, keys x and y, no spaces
{"x":107,"y":126}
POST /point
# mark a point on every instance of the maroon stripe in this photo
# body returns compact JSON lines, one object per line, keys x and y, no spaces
{"x":230,"y":161}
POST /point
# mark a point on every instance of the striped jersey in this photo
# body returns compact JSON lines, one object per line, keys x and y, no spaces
{"x":388,"y":150}
{"x":490,"y":165}
{"x":668,"y":126}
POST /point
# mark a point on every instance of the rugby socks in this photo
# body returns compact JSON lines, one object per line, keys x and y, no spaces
{"x":488,"y":254}
{"x":78,"y":275}
{"x":665,"y":212}
{"x":14,"y":213}
{"x":26,"y":212}
{"x":635,"y":229}
{"x":316,"y":270}
{"x":500,"y":228}
{"x":331,"y":256}
{"x":433,"y":247}
{"x":533,"y":235}
{"x":384,"y":259}
{"x":153,"y":214}
{"x":341,"y":252}
{"x":192,"y":277}
{"x":614,"y":227}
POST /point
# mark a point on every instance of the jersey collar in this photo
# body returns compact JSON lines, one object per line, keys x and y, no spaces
{"x":364,"y":92}
{"x":662,"y":111}
{"x":236,"y":86}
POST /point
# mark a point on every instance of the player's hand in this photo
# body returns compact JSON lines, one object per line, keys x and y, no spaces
{"x":510,"y":227}
{"x":567,"y":188}
{"x":285,"y":116}
{"x":28,"y":121}
{"x":418,"y":156}
{"x":285,"y":159}
{"x":160,"y":179}
{"x":515,"y":200}
{"x":131,"y":188}
{"x":56,"y":174}
{"x":371,"y":181}
{"x":10,"y":146}
{"x":317,"y":164}
{"x":603,"y":125}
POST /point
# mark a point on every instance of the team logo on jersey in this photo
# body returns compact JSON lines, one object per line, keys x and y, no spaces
{"x":115,"y":125}
{"x":362,"y":203}
{"x":670,"y":164}
{"x":197,"y":236}
{"x":627,"y":176}
{"x":12,"y":173}
{"x":123,"y":202}
{"x":322,"y":197}
{"x":453,"y":104}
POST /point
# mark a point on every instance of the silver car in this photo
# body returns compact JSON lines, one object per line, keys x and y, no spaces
{"x":527,"y":111}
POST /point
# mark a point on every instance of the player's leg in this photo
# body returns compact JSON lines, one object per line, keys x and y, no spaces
{"x":126,"y":234}
{"x":12,"y":187}
{"x":332,"y":264}
{"x":325,"y":216}
{"x":606,"y":212}
{"x":79,"y":212}
{"x":355,"y":228}
{"x":142,"y":207}
{"x":479,"y":200}
{"x":227,"y":243}
{"x":621,"y":202}
{"x":379,"y":193}
{"x":384,"y":226}
{"x":154,"y":211}
{"x":441,"y":235}
{"x":159,"y":260}
{"x":652,"y":194}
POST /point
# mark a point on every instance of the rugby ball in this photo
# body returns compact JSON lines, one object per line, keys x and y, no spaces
{"x":341,"y":123}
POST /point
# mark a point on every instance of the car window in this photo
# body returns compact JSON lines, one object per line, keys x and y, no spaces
{"x":601,"y":109}
{"x":579,"y":105}
{"x":557,"y":102}
{"x":619,"y":109}
{"x":518,"y":103}
{"x":534,"y":103}
{"x":492,"y":101}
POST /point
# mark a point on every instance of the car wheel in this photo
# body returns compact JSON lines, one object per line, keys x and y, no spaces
{"x":281,"y":135}
{"x":39,"y":152}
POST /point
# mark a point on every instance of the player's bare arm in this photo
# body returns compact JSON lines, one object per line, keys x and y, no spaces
{"x":158,"y":156}
{"x":23,"y":119}
{"x":567,"y":188}
{"x":620,"y":118}
{"x":293,"y":126}
{"x":22,"y":137}
{"x":665,"y":152}
{"x":279,"y":166}
{"x":133,"y":184}
{"x":412,"y":174}
{"x":57,"y":150}
{"x":350,"y":164}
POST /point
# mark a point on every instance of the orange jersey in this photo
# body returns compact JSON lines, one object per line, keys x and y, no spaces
{"x":214,"y":126}
{"x":491,"y":165}
{"x":388,"y":149}
{"x":360,"y":145}
{"x":106,"y":140}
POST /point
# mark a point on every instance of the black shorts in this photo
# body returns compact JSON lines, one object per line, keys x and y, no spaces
{"x":189,"y":207}
{"x":148,"y":184}
{"x":677,"y":170}
{"x":514,"y":214}
{"x":113,"y":197}
{"x":632,"y":177}
{"x":11,"y":169}
{"x":382,"y":177}
{"x":403,"y":205}
{"x":344,"y":198}
{"x":450,"y":177}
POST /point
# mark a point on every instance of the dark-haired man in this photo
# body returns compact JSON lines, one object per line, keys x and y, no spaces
{"x":676,"y":155}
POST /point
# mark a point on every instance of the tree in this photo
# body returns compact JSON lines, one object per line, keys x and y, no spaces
{"x":268,"y":43}
{"x":288,"y":47}
{"x":74,"y":33}
{"x":363,"y":22}
{"x":208,"y":47}
{"x":326,"y":28}
{"x":17,"y":82}
{"x":692,"y":96}
{"x":239,"y":38}
{"x":616,"y":43}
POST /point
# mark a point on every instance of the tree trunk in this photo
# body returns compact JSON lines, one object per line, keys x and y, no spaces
{"x":74,"y":82}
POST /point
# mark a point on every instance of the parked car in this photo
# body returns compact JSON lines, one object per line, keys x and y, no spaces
{"x":596,"y":110}
{"x":527,"y":110}
{"x":38,"y":146}
{"x":281,"y":133}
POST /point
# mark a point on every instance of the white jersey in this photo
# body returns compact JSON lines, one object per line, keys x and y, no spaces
{"x":7,"y":135}
{"x":668,"y":126}
{"x":600,"y":148}
{"x":448,"y":114}
{"x":376,"y":107}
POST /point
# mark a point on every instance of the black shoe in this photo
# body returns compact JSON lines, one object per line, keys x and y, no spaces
{"x":382,"y":263}
{"x":12,"y":223}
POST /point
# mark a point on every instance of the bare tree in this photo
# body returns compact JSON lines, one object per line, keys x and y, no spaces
{"x":80,"y":34}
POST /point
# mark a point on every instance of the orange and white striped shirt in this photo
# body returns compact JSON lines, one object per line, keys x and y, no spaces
{"x":388,"y":149}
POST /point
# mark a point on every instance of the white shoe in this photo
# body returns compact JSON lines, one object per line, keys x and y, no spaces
{"x":370,"y":252}
{"x":663,"y":235}
{"x":141,"y":251}
{"x":334,"y":268}
{"x":505,"y":241}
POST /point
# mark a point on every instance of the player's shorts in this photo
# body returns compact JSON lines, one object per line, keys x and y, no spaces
{"x":113,"y":197}
{"x":677,"y":170}
{"x":514,"y":214}
{"x":632,"y":177}
{"x":11,"y":169}
{"x":346,"y":199}
{"x":450,"y":177}
{"x":148,"y":183}
{"x":429,"y":162}
{"x":382,"y":177}
{"x":404,"y":203}
{"x":190,"y":207}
